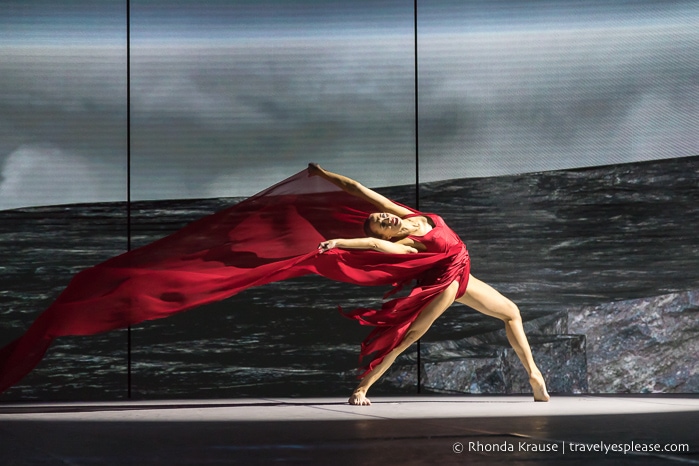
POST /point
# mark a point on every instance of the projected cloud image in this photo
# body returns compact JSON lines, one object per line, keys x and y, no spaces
{"x":38,"y":175}
{"x":538,"y":100}
{"x":62,"y":103}
{"x":228,"y":98}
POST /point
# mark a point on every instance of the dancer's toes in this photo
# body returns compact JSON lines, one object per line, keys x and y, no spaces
{"x":536,"y":380}
{"x":359,"y":399}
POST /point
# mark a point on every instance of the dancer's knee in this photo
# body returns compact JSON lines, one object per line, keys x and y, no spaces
{"x":510,"y":312}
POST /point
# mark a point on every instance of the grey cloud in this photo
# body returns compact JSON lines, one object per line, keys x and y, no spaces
{"x":537,"y":100}
{"x":234,"y":118}
{"x":71,"y":102}
{"x":45,"y":175}
{"x":245,"y":109}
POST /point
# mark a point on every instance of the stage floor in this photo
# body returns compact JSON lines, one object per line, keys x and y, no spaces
{"x":509,"y":430}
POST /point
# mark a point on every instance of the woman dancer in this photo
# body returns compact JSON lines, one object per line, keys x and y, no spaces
{"x":396,"y":229}
{"x":272,"y":236}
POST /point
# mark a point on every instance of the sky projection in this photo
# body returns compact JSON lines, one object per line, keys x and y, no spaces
{"x":230,"y":97}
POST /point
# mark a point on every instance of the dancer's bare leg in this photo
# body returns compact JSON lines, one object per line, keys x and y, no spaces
{"x":484,"y":298}
{"x":417,"y":329}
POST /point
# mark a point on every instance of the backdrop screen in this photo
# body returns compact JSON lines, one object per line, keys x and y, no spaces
{"x":559,"y":139}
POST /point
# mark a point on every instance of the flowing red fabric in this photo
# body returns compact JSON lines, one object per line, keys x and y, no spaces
{"x":269,"y":237}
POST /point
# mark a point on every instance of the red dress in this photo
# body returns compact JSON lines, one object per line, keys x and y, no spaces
{"x":269,"y":237}
{"x":449,"y":261}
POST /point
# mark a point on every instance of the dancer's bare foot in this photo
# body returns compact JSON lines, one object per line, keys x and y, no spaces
{"x":359,"y":398}
{"x":536,"y":380}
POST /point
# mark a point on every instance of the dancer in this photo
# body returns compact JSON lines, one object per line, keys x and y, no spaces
{"x":283,"y":232}
{"x":396,"y":229}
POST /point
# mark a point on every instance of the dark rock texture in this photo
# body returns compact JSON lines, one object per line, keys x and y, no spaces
{"x":552,"y":242}
{"x":648,"y":345}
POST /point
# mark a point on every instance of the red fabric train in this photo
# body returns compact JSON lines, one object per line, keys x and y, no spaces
{"x":269,"y":237}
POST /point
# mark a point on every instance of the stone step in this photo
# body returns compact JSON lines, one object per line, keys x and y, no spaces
{"x":646,"y":345}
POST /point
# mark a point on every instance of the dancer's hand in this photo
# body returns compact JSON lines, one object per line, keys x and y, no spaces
{"x":314,"y":169}
{"x":327,"y":245}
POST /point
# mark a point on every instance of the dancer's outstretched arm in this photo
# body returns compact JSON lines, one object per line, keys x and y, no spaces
{"x":382,"y":203}
{"x":375,"y":244}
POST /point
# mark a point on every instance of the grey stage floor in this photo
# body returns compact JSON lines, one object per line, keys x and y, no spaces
{"x":407,"y":430}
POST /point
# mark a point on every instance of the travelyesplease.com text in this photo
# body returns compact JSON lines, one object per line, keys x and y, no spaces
{"x":573,"y":447}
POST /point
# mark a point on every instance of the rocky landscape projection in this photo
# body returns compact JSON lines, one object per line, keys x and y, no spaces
{"x":603,"y":262}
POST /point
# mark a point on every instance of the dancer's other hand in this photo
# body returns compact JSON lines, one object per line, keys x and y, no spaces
{"x":314,"y":169}
{"x":327,"y":245}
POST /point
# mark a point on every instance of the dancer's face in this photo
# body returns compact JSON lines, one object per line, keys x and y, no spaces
{"x":384,"y":225}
